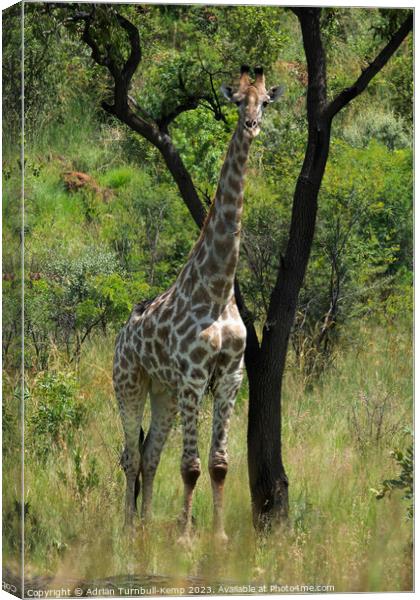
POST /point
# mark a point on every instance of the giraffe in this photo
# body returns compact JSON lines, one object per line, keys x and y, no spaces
{"x":191,"y":337}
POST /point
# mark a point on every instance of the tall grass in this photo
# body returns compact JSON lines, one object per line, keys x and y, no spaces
{"x":339,"y":534}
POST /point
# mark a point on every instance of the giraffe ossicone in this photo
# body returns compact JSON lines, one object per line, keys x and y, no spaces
{"x":191,"y":336}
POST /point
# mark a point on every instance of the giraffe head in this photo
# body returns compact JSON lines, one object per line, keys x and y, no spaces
{"x":252,"y":98}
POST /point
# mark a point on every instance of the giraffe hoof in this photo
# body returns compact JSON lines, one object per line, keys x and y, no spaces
{"x":185,"y":541}
{"x":129,"y":523}
{"x":182,"y":522}
{"x":221,"y":538}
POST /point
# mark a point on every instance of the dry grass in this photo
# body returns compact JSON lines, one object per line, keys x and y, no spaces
{"x":339,"y":534}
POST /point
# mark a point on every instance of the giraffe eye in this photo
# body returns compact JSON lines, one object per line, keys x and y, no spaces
{"x":265,"y":103}
{"x":238,"y":103}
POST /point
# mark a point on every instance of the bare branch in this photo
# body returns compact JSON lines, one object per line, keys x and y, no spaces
{"x":213,"y":101}
{"x":190,"y":104}
{"x":144,"y":114}
{"x":134,"y":58}
{"x":348,"y":94}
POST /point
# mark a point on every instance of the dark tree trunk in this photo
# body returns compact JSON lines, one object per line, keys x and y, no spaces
{"x":265,"y":363}
{"x":267,"y":477}
{"x":268,"y":480}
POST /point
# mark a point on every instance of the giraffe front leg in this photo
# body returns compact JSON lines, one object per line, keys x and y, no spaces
{"x":225,"y":392}
{"x":190,"y":462}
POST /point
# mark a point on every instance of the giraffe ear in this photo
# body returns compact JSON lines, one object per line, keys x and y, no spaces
{"x":275,"y":92}
{"x":227,"y":92}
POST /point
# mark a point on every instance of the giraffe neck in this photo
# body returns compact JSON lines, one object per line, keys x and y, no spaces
{"x":213,"y":261}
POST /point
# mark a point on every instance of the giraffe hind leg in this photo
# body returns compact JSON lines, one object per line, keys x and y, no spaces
{"x":131,"y":399}
{"x":163,"y":408}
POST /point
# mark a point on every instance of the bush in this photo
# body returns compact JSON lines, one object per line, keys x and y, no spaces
{"x":404,"y":481}
{"x":384,"y":127}
{"x":56,"y":412}
{"x":373,"y":418}
{"x":84,"y":477}
{"x":117,"y":178}
{"x":73,"y":298}
{"x":11,"y":322}
{"x":362,"y":248}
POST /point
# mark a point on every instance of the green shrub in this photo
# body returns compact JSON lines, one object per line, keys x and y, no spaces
{"x":373,"y":417}
{"x":56,"y":413}
{"x":384,"y":127}
{"x":84,"y":477}
{"x":117,"y":178}
{"x":404,"y":481}
{"x":71,"y":306}
{"x":11,"y":415}
{"x":11,"y":322}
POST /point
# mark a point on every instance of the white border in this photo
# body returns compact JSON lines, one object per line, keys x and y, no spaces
{"x":359,"y":4}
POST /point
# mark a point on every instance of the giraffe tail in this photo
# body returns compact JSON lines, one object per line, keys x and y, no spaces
{"x":141,"y":438}
{"x":137,"y":483}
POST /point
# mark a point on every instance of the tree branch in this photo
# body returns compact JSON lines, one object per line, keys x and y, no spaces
{"x":154,"y":132}
{"x":190,"y":104}
{"x":213,"y":100}
{"x":89,"y":40}
{"x":348,"y":94}
{"x":134,"y":58}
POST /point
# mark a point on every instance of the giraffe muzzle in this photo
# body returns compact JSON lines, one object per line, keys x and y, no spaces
{"x":251,"y":124}
{"x":252,"y":127}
